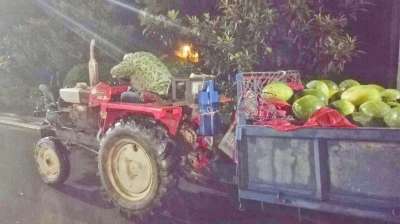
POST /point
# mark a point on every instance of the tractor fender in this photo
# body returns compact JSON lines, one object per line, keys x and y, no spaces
{"x":169,"y":116}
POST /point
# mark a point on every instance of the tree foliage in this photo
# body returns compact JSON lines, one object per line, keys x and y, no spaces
{"x":43,"y":38}
{"x":248,"y":35}
{"x":35,"y":45}
{"x":80,"y":73}
{"x":36,"y":49}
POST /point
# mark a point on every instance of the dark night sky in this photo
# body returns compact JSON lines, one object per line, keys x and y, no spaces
{"x":374,"y":30}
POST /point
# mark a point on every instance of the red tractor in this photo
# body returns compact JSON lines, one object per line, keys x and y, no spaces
{"x":142,"y":145}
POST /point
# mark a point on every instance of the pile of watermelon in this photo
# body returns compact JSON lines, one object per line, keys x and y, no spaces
{"x":146,"y":71}
{"x":368,"y":105}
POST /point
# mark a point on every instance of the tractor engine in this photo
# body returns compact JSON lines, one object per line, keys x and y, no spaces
{"x":75,"y":105}
{"x":70,"y":118}
{"x":82,"y":117}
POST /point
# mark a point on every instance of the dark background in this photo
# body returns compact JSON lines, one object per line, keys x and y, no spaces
{"x":378,"y":34}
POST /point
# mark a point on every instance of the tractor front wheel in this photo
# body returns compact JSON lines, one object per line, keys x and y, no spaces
{"x":52,"y":161}
{"x":135,"y":166}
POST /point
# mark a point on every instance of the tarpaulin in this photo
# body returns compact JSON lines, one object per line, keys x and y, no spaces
{"x":325,"y":117}
{"x":272,"y":109}
{"x":296,"y":86}
{"x":328,"y":117}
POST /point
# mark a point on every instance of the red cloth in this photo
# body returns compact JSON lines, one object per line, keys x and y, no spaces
{"x":279,"y":125}
{"x":272,"y":109}
{"x":328,"y":117}
{"x":325,"y":117}
{"x":296,"y":86}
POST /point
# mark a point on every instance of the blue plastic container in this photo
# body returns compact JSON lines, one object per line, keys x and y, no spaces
{"x":208,"y":100}
{"x":209,"y":124}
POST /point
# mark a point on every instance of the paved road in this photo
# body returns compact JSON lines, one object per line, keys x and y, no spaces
{"x":25,"y":199}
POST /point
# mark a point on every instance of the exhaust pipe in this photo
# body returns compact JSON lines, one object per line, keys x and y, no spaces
{"x":93,"y":66}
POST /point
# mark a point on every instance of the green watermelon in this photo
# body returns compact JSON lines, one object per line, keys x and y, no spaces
{"x":320,"y":85}
{"x":390,"y":95}
{"x":393,"y":104}
{"x":375,"y":108}
{"x":362,"y":119}
{"x":335,"y":96}
{"x":392,"y":119}
{"x":332,"y":86}
{"x":358,"y":95}
{"x":344,"y":85}
{"x":304,"y":107}
{"x":377,"y":87}
{"x":315,"y":92}
{"x":344,"y":107}
{"x":278,"y":90}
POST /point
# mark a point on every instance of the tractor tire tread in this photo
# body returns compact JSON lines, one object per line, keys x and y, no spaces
{"x":160,"y":141}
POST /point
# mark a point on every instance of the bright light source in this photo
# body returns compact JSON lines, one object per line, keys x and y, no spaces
{"x":194,"y":57}
{"x":187,"y":52}
{"x":186,"y":49}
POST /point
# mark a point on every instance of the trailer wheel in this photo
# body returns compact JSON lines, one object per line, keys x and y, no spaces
{"x":52,"y":161}
{"x":136,"y":167}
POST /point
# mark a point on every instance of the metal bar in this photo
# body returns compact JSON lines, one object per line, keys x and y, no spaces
{"x":87,"y":148}
{"x":357,"y":134}
{"x":240,"y":115}
{"x":358,"y":199}
{"x":150,"y":108}
{"x":174,"y":89}
{"x":321,"y":169}
{"x":285,"y":190}
{"x":188,"y":92}
{"x":298,"y":202}
{"x":242,"y":168}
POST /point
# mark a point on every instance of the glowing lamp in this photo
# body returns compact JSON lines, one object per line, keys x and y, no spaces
{"x":187,"y":52}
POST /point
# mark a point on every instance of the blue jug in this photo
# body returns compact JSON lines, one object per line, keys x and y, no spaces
{"x":208,"y":101}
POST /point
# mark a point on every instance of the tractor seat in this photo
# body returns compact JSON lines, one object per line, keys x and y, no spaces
{"x":131,"y":97}
{"x":140,"y":97}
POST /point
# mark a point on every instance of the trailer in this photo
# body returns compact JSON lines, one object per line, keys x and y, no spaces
{"x":350,"y":171}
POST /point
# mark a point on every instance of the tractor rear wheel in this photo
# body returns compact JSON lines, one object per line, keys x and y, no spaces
{"x":52,"y":161}
{"x":136,"y":161}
